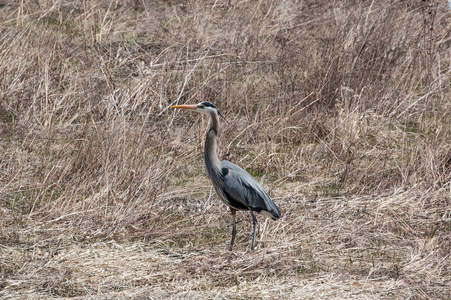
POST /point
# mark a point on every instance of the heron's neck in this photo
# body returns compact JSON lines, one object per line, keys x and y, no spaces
{"x":210,"y":154}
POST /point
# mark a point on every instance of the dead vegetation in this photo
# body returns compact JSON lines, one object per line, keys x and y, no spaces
{"x":340,"y":109}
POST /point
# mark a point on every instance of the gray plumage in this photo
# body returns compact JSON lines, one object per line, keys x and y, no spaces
{"x":244,"y":188}
{"x":235,"y":187}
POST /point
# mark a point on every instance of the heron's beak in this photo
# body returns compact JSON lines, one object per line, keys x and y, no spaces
{"x":190,"y":107}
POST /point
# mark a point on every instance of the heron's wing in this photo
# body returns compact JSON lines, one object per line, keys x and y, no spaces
{"x":243,"y":188}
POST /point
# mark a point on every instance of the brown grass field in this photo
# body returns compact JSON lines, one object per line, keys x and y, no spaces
{"x":340,"y":109}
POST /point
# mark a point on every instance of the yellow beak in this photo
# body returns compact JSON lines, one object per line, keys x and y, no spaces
{"x":190,"y":107}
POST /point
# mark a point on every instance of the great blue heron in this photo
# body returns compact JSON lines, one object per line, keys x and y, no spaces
{"x":235,"y":187}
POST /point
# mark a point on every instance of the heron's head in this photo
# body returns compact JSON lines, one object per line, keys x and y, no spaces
{"x":203,"y":107}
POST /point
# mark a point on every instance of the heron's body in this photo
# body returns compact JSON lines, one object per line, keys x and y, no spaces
{"x":248,"y":195}
{"x":236,"y":188}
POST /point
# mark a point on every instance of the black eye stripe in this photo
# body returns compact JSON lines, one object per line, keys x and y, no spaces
{"x":208,"y":104}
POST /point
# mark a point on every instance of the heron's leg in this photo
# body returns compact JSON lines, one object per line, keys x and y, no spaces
{"x":254,"y":219}
{"x":234,"y":228}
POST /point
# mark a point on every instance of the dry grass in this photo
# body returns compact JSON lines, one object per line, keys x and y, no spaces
{"x":340,"y":109}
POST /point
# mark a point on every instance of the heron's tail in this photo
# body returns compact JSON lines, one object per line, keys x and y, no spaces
{"x":276,"y":213}
{"x":272,"y":212}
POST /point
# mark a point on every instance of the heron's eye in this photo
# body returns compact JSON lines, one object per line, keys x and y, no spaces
{"x":202,"y":106}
